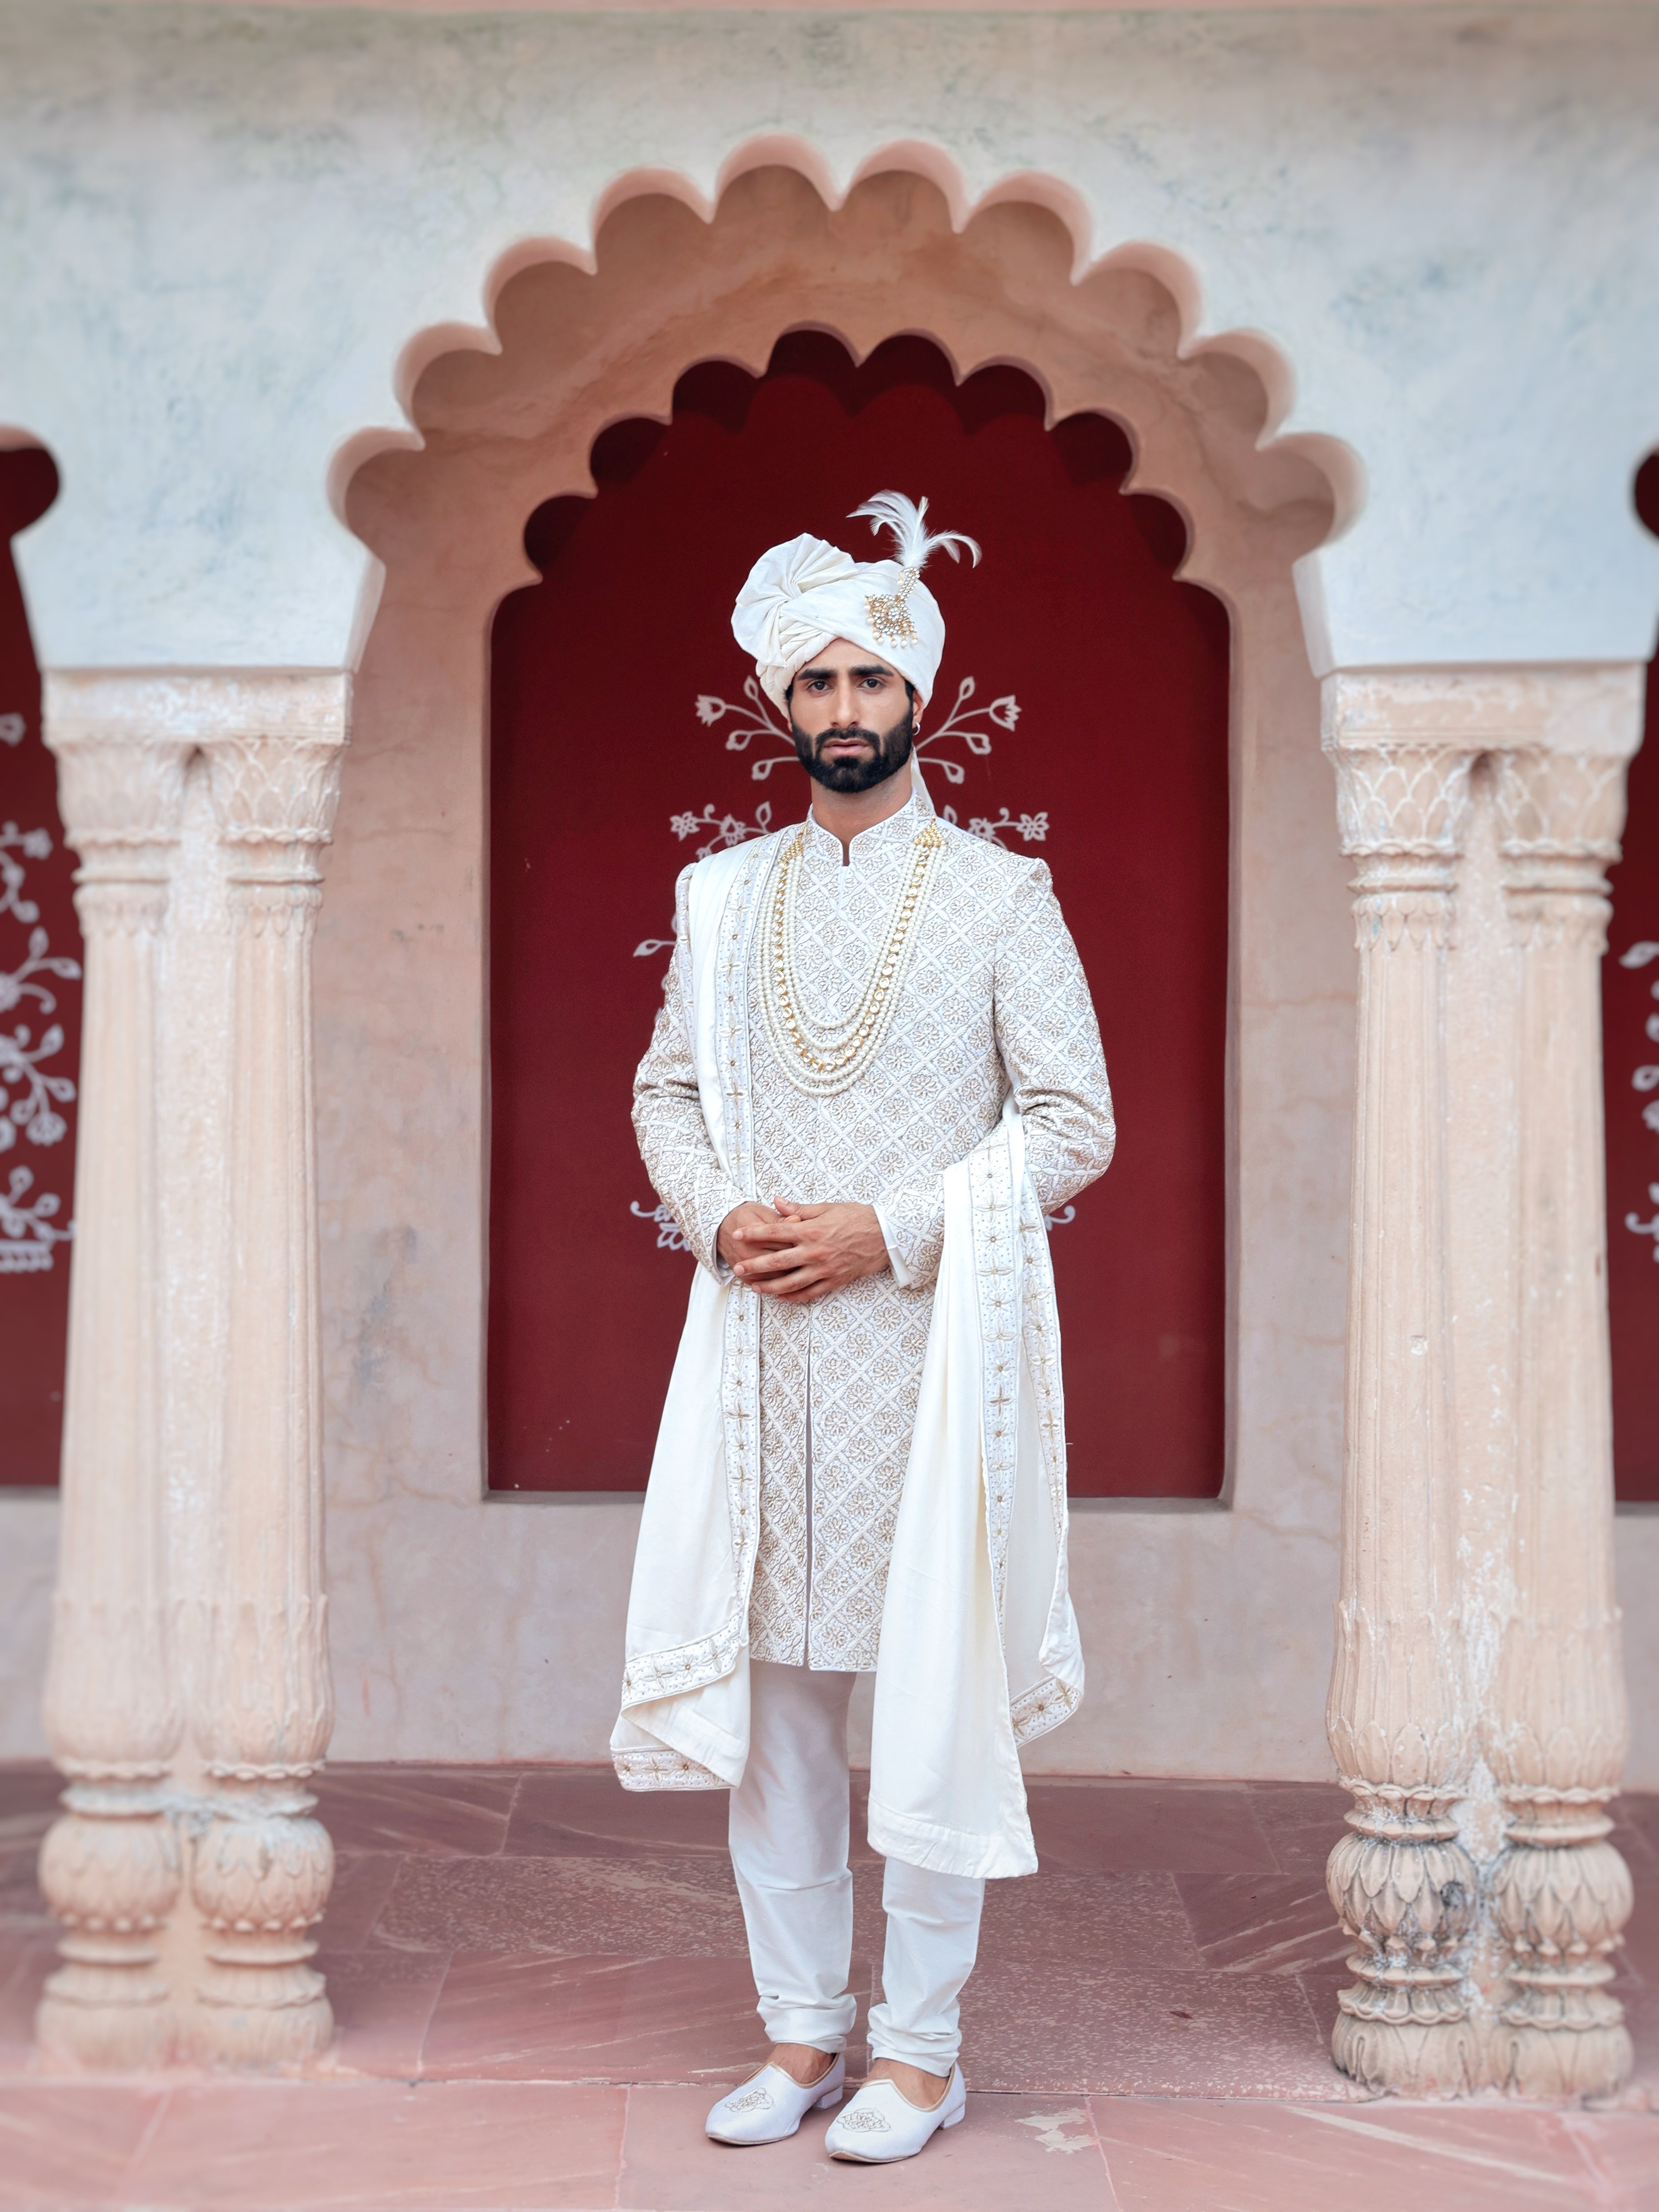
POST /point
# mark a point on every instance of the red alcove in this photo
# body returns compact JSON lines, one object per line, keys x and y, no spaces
{"x":39,"y":999}
{"x":1120,"y":739}
{"x":1630,"y":1016}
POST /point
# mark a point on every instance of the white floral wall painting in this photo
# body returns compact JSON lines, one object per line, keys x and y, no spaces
{"x":31,"y":1091}
{"x":1645,"y":1080}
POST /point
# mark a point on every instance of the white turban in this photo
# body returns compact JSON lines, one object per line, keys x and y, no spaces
{"x":801,"y":596}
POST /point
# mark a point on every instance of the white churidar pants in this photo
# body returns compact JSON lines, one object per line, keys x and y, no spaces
{"x":789,"y":1835}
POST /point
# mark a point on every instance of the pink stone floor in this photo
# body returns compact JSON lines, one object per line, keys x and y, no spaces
{"x":540,"y":1984}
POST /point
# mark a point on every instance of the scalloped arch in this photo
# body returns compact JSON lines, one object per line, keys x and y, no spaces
{"x":679,"y":271}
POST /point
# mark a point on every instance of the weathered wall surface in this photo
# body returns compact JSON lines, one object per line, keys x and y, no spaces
{"x":217,"y":219}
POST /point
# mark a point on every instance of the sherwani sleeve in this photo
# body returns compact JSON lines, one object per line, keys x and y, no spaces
{"x":1050,"y":1042}
{"x":674,"y":1141}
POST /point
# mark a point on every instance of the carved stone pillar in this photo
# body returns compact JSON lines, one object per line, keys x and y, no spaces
{"x":1403,"y":1886}
{"x":1477,"y":1577}
{"x":110,"y":1865}
{"x":261,"y":1872}
{"x":192,"y":1575}
{"x":1556,"y":1738}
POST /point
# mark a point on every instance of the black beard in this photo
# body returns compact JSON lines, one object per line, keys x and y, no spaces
{"x":890,"y":751}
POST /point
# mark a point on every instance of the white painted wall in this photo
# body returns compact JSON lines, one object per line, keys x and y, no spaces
{"x":221,"y":228}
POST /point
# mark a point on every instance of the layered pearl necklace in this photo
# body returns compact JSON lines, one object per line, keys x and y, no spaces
{"x":824,"y":1059}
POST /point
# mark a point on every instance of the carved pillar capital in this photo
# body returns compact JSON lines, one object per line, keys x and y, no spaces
{"x":120,"y":796}
{"x":1559,"y":816}
{"x":275,"y":786}
{"x":1402,"y":801}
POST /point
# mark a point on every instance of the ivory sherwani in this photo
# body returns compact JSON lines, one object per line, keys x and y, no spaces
{"x":993,"y":1007}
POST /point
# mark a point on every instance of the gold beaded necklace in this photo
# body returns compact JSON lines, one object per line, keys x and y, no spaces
{"x":825,"y":1059}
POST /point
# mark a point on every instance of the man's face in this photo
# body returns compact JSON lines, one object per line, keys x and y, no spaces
{"x":853,"y":716}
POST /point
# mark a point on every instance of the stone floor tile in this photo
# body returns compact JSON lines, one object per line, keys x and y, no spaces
{"x":1257,"y":1923}
{"x":537,"y":2017}
{"x":1264,"y":2158}
{"x":1061,"y":2026}
{"x":383,"y":2000}
{"x":1112,"y":1827}
{"x":1620,"y":2151}
{"x":1009,"y":2154}
{"x":382,"y":2146}
{"x":638,"y":1907}
{"x":1136,"y":1921}
{"x":70,"y":2143}
{"x":1301,"y":1821}
{"x":449,"y":1810}
{"x":363,"y":1883}
{"x":583,"y":1812}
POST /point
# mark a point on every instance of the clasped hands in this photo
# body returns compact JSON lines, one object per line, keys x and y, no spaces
{"x":801,"y":1253}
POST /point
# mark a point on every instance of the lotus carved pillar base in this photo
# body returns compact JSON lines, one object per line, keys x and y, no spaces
{"x":109,"y":1868}
{"x":1406,"y":1892}
{"x":1562,"y":1895}
{"x":260,"y":1877}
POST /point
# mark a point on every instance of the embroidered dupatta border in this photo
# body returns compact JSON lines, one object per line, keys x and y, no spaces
{"x":1015,"y":1281}
{"x":649,"y":1676}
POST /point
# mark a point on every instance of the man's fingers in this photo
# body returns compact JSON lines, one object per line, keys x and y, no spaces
{"x":792,"y":1279}
{"x":772,"y":1263}
{"x":768,"y":1234}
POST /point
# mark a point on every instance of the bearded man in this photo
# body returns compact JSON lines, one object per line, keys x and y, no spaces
{"x":876,"y":1068}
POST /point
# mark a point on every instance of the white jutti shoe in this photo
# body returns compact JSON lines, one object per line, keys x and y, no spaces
{"x":770,"y":2105}
{"x":881,"y":2124}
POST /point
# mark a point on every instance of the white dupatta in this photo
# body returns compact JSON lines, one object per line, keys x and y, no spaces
{"x":979,"y":1648}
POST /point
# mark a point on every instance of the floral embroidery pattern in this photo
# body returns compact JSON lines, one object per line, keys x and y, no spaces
{"x":30,"y":1093}
{"x":1645,"y":1080}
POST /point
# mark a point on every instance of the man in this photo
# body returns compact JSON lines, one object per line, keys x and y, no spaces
{"x":876,"y":1067}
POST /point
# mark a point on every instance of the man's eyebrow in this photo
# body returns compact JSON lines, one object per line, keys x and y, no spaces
{"x":867,"y":668}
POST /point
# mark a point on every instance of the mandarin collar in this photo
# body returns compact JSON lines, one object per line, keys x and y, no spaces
{"x":896,"y":830}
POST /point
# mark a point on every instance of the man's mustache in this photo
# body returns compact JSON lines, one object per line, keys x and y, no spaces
{"x":845,"y":736}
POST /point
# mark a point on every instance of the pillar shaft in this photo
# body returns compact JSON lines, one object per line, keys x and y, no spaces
{"x":1557,"y":1735}
{"x":1402,"y":1885}
{"x":110,"y":1865}
{"x":263,"y":1870}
